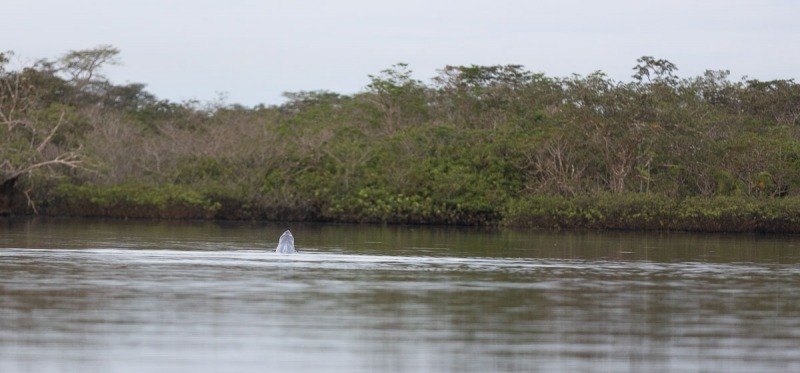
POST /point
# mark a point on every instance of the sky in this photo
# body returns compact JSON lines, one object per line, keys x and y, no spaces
{"x":250,"y":52}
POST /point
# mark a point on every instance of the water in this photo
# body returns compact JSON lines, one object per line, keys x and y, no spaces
{"x":94,"y":296}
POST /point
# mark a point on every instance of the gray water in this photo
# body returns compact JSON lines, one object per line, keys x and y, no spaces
{"x":91,"y":296}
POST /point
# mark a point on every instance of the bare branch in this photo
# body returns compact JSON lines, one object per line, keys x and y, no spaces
{"x":31,"y":204}
{"x":68,"y":159}
{"x":49,"y":137}
{"x":6,"y":165}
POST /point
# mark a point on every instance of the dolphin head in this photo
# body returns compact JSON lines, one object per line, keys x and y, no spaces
{"x":286,"y":243}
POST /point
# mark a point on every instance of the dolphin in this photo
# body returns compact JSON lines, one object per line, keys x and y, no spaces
{"x":286,"y":243}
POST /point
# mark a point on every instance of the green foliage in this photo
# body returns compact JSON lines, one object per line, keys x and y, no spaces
{"x":655,"y":70}
{"x":476,"y":145}
{"x":656,"y":212}
{"x":132,"y":200}
{"x":604,"y":211}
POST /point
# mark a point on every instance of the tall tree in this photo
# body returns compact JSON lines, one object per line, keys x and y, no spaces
{"x":37,"y":132}
{"x":399,"y":99}
{"x":481,"y":96}
{"x":84,"y":67}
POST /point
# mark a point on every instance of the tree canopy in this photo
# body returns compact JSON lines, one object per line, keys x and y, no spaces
{"x":470,"y":146}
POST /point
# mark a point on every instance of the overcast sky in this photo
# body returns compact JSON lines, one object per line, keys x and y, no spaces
{"x":254,"y":50}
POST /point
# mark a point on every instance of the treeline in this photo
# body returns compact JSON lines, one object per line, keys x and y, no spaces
{"x":474,"y":145}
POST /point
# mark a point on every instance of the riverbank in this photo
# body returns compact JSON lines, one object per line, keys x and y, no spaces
{"x":477,"y":145}
{"x":659,"y":213}
{"x":641,"y":212}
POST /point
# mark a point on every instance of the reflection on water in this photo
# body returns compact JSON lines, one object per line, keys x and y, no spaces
{"x":185,"y":297}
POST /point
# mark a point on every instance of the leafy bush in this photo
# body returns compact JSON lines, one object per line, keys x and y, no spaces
{"x":131,"y":201}
{"x":657,"y":212}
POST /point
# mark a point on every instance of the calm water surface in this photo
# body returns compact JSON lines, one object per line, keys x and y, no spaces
{"x":92,"y":296}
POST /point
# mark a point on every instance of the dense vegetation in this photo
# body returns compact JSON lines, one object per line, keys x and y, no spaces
{"x":475,"y":145}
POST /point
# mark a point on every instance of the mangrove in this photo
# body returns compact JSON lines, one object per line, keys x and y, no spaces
{"x":474,"y":145}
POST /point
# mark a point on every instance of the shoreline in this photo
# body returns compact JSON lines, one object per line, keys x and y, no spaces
{"x":611,"y":212}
